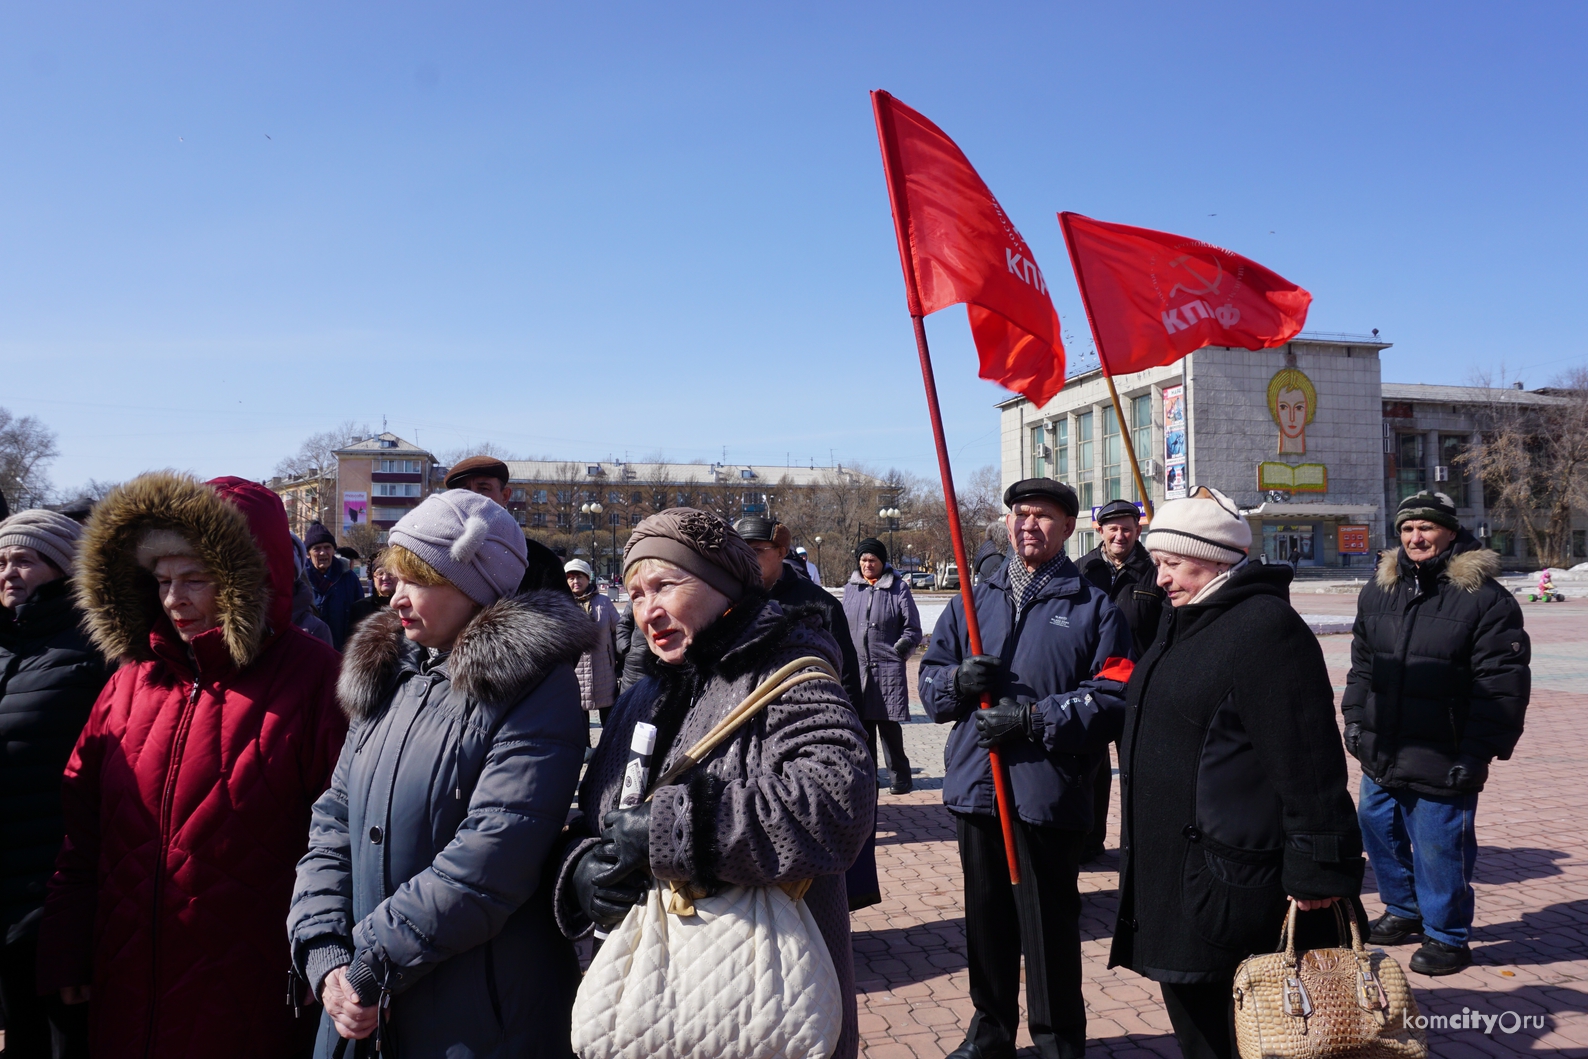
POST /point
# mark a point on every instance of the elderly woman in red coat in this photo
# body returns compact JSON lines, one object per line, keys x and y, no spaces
{"x":187,"y":796}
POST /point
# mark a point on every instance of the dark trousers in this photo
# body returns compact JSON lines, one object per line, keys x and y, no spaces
{"x":1203,"y":1017}
{"x":892,"y":733}
{"x":1102,"y":787}
{"x":36,"y":1027}
{"x":1040,"y":918}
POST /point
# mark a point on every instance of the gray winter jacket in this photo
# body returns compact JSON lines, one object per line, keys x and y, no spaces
{"x":882,"y":620}
{"x":789,"y":796}
{"x":598,"y":667}
{"x":426,"y":854}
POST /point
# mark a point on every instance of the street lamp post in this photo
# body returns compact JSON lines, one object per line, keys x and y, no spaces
{"x":591,"y":509}
{"x":819,"y":554}
{"x":892,"y":515}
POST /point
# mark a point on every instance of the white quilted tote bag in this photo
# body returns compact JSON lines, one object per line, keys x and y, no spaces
{"x":748,"y":976}
{"x":743,"y":974}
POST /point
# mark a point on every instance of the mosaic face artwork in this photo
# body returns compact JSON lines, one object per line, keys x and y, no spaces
{"x":1292,"y":401}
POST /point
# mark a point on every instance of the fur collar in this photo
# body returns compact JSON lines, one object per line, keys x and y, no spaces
{"x":505,"y":651}
{"x":118,"y":596}
{"x":1466,"y":570}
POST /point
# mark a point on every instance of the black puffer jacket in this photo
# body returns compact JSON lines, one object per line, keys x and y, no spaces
{"x":1133,"y":588}
{"x":1233,"y":785}
{"x":1439,"y":670}
{"x":49,"y":678}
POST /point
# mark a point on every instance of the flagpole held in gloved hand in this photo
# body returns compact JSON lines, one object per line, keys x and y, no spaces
{"x":899,"y":202}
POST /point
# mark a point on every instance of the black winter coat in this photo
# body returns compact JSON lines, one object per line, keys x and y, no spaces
{"x":1233,"y":785}
{"x":791,"y":591}
{"x":50,"y":676}
{"x":1133,"y":588}
{"x":1439,"y":670}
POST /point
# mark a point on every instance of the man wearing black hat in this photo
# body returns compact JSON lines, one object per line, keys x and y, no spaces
{"x":1438,"y":689}
{"x":1120,"y":567}
{"x":1054,"y":658}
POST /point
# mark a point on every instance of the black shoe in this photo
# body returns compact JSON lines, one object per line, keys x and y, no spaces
{"x":903,"y":785}
{"x":976,"y":1051}
{"x":1091,"y":853}
{"x":1436,"y":958}
{"x":1390,"y":929}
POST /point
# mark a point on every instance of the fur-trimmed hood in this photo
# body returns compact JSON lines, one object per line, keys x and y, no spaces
{"x":1467,"y":567}
{"x":502,"y":654}
{"x":236,"y":527}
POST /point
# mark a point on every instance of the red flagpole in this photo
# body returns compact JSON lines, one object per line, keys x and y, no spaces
{"x":896,"y":197}
{"x":1102,"y":362}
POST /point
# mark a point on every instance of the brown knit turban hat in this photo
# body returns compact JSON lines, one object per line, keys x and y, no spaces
{"x":700,"y":543}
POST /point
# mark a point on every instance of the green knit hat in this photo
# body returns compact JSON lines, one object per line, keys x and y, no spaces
{"x":1432,"y":507}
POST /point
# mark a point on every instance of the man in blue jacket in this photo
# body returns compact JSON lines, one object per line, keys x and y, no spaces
{"x":334,"y":584}
{"x":1055,"y":657}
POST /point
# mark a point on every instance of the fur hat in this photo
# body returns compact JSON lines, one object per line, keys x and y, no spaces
{"x":1205,"y":525}
{"x":702,"y":544}
{"x":49,"y":533}
{"x":470,"y":540}
{"x":1431,"y":507}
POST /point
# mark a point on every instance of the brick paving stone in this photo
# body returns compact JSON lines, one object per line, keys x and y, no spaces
{"x":1530,"y":937}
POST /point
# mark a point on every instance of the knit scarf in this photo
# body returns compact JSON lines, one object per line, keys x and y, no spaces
{"x":1025,"y":584}
{"x":586,"y":596}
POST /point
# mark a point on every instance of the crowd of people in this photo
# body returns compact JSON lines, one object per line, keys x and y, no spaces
{"x":251,"y":804}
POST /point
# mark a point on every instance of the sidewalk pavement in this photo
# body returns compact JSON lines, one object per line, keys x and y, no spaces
{"x":1531,"y":934}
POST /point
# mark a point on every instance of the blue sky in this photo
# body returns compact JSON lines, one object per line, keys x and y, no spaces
{"x":593,"y":230}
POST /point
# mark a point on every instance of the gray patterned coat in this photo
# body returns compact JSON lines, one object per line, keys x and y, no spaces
{"x":789,"y":796}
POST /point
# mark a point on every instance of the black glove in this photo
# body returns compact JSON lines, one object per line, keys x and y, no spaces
{"x":904,"y":647}
{"x":978,"y":675}
{"x":1353,"y":739}
{"x":1468,"y":774}
{"x":1006,"y":720}
{"x":628,"y":832}
{"x":605,"y":903}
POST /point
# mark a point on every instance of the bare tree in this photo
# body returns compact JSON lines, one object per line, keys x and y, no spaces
{"x":26,"y":448}
{"x":1533,"y":463}
{"x":482,"y":448}
{"x":316,"y":459}
{"x":363,"y":538}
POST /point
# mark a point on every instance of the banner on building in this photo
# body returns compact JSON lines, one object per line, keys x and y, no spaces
{"x":1174,"y":462}
{"x":355,"y":510}
{"x":1352,"y":540}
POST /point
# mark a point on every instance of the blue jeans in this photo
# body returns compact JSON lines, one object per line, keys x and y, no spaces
{"x":1423,"y":848}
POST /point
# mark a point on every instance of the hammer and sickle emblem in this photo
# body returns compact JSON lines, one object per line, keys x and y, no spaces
{"x":1209,"y":286}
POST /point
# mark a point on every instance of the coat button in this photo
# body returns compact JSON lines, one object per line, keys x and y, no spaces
{"x":1190,"y":831}
{"x":375,"y":835}
{"x":1134,"y":925}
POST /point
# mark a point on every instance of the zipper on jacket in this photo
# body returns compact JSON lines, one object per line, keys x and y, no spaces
{"x":167,"y":796}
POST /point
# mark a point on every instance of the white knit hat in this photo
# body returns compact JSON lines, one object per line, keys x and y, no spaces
{"x":470,"y":540}
{"x":1205,"y":525}
{"x":52,"y":535}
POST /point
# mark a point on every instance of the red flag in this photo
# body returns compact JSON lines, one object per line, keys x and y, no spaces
{"x":957,"y":245}
{"x":1153,"y":297}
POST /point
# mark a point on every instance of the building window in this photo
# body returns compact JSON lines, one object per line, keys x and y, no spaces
{"x":565,"y":496}
{"x":520,"y":516}
{"x":614,"y":497}
{"x":1061,"y":449}
{"x":683,"y":499}
{"x":614,"y":518}
{"x":1141,"y":428}
{"x":396,"y":488}
{"x":636,"y":498}
{"x":1451,"y":449}
{"x":1039,"y":452}
{"x":1083,"y":446}
{"x":1504,"y":542}
{"x":538,"y":496}
{"x":1087,"y":539}
{"x":635,"y":518}
{"x":518,"y":494}
{"x":1084,"y":492}
{"x":1579,"y":544}
{"x":1113,"y":456}
{"x":1411,"y":477}
{"x":387,"y":514}
{"x":562,"y":520}
{"x":538,"y":520}
{"x":400,"y":466}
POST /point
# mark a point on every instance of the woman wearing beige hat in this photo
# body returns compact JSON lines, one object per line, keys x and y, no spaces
{"x":1232,"y":774}
{"x":50,"y":675}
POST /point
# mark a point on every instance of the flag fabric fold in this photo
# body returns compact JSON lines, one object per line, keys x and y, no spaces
{"x":958,"y":245}
{"x":1152,"y":297}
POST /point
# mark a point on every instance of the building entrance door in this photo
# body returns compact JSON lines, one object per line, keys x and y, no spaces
{"x":1289,"y":544}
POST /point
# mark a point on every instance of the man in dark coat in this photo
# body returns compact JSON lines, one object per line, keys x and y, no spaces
{"x":1122,"y":569}
{"x":1232,"y":778}
{"x":1055,"y":651}
{"x":334,"y":584}
{"x":50,"y":676}
{"x":1438,"y":688}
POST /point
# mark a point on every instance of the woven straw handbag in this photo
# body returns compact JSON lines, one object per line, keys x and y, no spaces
{"x":740,"y":974}
{"x":1341,"y":1002}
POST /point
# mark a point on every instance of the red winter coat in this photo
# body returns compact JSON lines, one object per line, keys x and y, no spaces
{"x":187,"y":797}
